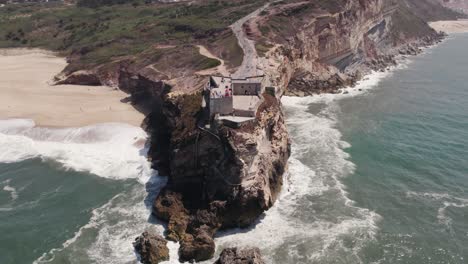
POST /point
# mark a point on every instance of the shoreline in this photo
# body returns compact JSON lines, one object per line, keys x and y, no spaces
{"x":26,"y":93}
{"x":450,"y":26}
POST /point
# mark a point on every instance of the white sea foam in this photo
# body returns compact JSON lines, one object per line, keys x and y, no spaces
{"x":114,"y":151}
{"x":446,"y":200}
{"x":108,"y":236}
{"x":108,"y":150}
{"x":442,"y":216}
{"x":12,"y":191}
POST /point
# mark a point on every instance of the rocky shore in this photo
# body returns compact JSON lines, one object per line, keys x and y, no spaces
{"x":306,"y":83}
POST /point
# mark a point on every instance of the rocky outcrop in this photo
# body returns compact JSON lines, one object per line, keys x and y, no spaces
{"x":78,"y":78}
{"x":238,"y":256}
{"x":198,"y":245}
{"x":222,"y":177}
{"x":152,"y":248}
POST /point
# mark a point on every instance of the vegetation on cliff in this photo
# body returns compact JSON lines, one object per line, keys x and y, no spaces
{"x":97,"y":32}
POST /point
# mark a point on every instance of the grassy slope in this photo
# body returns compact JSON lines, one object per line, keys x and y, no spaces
{"x":102,"y":34}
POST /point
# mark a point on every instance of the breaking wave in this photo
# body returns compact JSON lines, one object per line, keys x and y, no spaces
{"x":115,"y":151}
{"x":108,"y":236}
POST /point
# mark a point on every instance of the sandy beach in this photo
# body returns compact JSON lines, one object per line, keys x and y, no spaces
{"x":25,"y":93}
{"x":456,"y":26}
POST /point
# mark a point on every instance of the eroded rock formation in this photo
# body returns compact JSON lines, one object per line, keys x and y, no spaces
{"x":151,"y":247}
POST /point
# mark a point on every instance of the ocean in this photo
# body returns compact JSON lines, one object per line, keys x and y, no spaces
{"x":378,"y":175}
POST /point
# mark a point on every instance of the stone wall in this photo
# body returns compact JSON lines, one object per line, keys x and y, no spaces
{"x":250,"y":88}
{"x":244,"y":113}
{"x":222,"y":106}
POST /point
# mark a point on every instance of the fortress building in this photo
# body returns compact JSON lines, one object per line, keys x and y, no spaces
{"x":233,"y":99}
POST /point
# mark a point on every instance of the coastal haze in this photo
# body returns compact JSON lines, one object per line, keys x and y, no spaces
{"x":233,"y":132}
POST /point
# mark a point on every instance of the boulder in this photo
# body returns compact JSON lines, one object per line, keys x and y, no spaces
{"x":151,"y":247}
{"x":197,"y":247}
{"x":82,"y":77}
{"x":238,"y":256}
{"x":169,"y":207}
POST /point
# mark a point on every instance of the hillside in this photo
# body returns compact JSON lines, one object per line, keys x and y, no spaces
{"x":457,"y":5}
{"x":140,"y":34}
{"x":431,"y":10}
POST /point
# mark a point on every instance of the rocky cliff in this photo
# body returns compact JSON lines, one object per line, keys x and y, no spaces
{"x":319,"y":46}
{"x":220,"y":178}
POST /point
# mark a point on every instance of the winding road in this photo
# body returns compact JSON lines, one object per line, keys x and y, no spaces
{"x":249,"y":63}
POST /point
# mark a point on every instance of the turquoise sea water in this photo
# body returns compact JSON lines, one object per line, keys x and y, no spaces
{"x":40,"y":206}
{"x":378,"y":176}
{"x":409,"y":141}
{"x":75,"y":195}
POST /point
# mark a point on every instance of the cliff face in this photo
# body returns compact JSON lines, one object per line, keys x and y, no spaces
{"x":321,"y":46}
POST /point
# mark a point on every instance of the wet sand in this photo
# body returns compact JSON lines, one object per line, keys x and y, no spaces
{"x":25,"y":92}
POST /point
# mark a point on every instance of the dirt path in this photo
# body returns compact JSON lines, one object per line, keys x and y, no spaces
{"x":221,"y":69}
{"x":249,"y":63}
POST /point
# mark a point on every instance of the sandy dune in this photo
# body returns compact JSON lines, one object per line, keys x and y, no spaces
{"x":25,"y":93}
{"x":456,"y":26}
